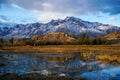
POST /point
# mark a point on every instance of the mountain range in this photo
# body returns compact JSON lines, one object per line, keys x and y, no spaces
{"x":70,"y":25}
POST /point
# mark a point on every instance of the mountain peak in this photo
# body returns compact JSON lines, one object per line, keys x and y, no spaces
{"x":72,"y":18}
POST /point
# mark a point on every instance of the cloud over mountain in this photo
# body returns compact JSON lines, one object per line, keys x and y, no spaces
{"x":69,"y":6}
{"x":45,"y":10}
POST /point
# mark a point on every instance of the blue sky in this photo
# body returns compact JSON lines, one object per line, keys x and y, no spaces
{"x":30,"y":11}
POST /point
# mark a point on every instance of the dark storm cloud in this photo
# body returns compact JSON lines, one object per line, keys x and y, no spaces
{"x":76,"y":6}
{"x":29,"y":4}
{"x":4,"y":2}
{"x":107,"y":6}
{"x":70,"y":6}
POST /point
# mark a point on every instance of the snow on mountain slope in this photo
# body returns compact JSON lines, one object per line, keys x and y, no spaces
{"x":69,"y":25}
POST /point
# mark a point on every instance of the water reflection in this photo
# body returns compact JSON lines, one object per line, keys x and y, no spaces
{"x":72,"y":65}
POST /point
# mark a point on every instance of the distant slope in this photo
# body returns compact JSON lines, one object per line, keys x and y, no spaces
{"x":112,"y":36}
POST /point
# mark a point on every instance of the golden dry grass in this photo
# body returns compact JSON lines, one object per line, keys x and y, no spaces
{"x":113,"y":57}
{"x":59,"y":48}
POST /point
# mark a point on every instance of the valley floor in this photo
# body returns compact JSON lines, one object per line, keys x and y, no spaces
{"x":59,"y":48}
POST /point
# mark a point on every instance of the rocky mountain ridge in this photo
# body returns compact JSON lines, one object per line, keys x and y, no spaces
{"x":70,"y":25}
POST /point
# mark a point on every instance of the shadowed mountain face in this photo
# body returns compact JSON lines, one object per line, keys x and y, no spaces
{"x":69,"y":25}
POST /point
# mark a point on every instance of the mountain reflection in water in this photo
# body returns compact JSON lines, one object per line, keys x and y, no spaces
{"x":71,"y":65}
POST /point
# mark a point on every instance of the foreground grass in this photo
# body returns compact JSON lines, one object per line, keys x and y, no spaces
{"x":112,"y":58}
{"x":59,"y":48}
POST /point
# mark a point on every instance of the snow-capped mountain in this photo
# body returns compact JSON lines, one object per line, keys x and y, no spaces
{"x":69,"y":25}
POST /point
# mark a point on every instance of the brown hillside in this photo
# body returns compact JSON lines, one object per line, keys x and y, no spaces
{"x":54,"y":37}
{"x":112,"y":36}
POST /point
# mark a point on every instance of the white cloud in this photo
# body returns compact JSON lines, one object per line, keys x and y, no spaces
{"x":112,"y":18}
{"x":4,"y":21}
{"x":119,"y":25}
{"x":46,"y":16}
{"x":47,"y":6}
{"x":76,"y":6}
{"x":16,"y":6}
